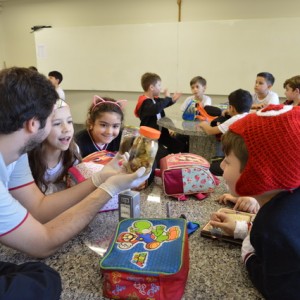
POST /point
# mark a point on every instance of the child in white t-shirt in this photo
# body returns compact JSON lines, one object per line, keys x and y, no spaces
{"x":240,"y":102}
{"x":56,"y":78}
{"x":263,"y":95}
{"x":198,"y":87}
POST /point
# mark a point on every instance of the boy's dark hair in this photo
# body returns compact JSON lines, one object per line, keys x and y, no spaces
{"x":56,"y":75}
{"x":241,"y":100}
{"x":33,"y":68}
{"x":232,"y":142}
{"x":199,"y":79}
{"x":24,"y":94}
{"x":95,"y":111}
{"x":293,"y":82}
{"x":148,"y":79}
{"x":267,"y":76}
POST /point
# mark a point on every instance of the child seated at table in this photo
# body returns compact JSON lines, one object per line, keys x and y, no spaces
{"x":103,"y":126}
{"x":51,"y":159}
{"x":198,"y":87}
{"x":256,"y":164}
{"x":240,"y":102}
{"x":150,"y":108}
{"x":263,"y":95}
{"x":198,"y":103}
{"x":292,"y":91}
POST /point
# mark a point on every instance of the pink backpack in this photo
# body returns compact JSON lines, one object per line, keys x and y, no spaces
{"x":91,"y":164}
{"x":186,"y":174}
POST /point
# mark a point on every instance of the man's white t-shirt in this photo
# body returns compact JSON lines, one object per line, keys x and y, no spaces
{"x":13,"y":176}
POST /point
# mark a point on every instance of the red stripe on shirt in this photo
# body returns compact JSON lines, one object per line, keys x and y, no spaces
{"x":20,"y":186}
{"x":16,"y":226}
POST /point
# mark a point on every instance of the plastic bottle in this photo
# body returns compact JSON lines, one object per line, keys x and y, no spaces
{"x":129,"y":133}
{"x":143,"y":150}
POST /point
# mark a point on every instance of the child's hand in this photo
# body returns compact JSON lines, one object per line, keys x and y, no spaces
{"x":224,"y":112}
{"x":222,"y":221}
{"x":202,"y":124}
{"x":172,"y":133}
{"x":176,"y":96}
{"x":227,"y":197}
{"x":247,"y":204}
{"x":166,"y":93}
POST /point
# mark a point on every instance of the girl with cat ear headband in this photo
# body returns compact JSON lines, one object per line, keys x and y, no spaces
{"x":97,"y":100}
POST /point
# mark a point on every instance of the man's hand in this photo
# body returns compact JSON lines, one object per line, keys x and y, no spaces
{"x":117,"y":183}
{"x":112,"y":168}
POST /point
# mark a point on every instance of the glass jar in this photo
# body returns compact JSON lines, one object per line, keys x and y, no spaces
{"x":143,"y":150}
{"x":129,"y":133}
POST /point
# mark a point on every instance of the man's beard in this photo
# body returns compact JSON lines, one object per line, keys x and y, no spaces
{"x":33,"y":142}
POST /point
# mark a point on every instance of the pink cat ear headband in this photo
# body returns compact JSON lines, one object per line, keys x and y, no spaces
{"x":97,"y":100}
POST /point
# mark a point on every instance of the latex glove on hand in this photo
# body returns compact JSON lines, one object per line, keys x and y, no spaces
{"x":112,"y":168}
{"x":247,"y":249}
{"x":123,"y":181}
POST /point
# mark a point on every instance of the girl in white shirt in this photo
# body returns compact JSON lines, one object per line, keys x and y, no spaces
{"x":50,"y":161}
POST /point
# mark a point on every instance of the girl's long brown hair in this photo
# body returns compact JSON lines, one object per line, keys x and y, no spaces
{"x":38,"y":163}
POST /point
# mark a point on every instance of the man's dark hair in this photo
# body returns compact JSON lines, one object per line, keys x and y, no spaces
{"x":56,"y":75}
{"x":24,"y":94}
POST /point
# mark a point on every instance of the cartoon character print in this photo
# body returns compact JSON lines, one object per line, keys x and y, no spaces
{"x":143,"y":231}
{"x":140,"y":259}
{"x":126,"y":240}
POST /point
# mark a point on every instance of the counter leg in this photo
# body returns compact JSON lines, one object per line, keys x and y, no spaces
{"x":203,"y":145}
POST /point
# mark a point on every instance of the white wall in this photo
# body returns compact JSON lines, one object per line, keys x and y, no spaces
{"x":17,"y":43}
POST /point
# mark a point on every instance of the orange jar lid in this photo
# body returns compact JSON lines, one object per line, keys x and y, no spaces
{"x":150,"y":132}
